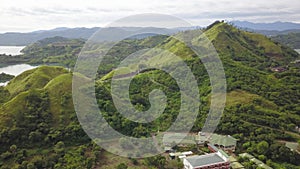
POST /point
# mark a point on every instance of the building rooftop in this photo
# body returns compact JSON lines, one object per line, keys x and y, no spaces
{"x":204,"y":160}
{"x":213,"y":147}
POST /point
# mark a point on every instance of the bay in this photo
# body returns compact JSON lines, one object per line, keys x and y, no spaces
{"x":11,"y":50}
{"x":15,"y":70}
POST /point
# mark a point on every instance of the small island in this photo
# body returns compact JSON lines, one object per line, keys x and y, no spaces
{"x":5,"y":77}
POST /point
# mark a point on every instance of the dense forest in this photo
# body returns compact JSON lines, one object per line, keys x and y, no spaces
{"x":39,"y":127}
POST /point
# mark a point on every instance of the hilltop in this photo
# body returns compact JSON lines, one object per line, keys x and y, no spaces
{"x":251,"y":49}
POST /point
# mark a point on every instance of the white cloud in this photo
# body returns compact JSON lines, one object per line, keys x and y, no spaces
{"x":28,"y":15}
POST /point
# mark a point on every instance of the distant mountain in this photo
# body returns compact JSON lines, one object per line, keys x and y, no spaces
{"x":53,"y":30}
{"x":276,"y":33}
{"x":275,"y":26}
{"x":20,"y":39}
{"x":268,"y":29}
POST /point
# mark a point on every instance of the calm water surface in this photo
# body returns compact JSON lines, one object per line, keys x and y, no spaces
{"x":15,"y":70}
{"x":11,"y":50}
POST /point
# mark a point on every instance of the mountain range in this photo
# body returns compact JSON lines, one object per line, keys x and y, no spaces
{"x":23,"y":39}
{"x":20,"y":39}
{"x":275,"y":26}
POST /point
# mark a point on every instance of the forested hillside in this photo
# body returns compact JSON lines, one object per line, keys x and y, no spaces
{"x":39,"y":127}
{"x":292,"y":40}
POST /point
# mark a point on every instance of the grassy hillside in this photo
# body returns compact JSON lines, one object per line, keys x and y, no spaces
{"x":39,"y":128}
{"x":33,"y":79}
{"x":249,"y":48}
{"x":39,"y":119}
{"x":44,"y":89}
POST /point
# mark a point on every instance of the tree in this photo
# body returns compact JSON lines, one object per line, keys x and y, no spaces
{"x":157,"y":161}
{"x":262,"y":147}
{"x":59,"y":148}
{"x":262,"y":157}
{"x":122,"y":166}
{"x":13,"y":148}
{"x":30,"y":166}
{"x":134,"y":161}
{"x":246,"y":145}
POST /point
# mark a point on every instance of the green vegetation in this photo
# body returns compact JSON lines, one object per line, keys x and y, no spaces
{"x":56,"y":50}
{"x":292,"y":40}
{"x":250,"y":49}
{"x":39,"y":128}
{"x":52,"y":51}
{"x":5,"y":77}
{"x":262,"y":106}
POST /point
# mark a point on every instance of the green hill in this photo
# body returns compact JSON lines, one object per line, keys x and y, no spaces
{"x":42,"y":90}
{"x":56,"y":50}
{"x":39,"y":114}
{"x":33,"y":79}
{"x":254,"y":50}
{"x":38,"y":117}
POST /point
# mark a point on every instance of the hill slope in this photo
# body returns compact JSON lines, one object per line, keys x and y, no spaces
{"x":292,"y":40}
{"x":252,"y":49}
{"x":261,"y":105}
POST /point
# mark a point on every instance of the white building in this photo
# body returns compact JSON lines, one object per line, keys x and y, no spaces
{"x":218,"y":160}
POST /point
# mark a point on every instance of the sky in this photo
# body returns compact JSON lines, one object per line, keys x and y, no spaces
{"x":31,"y":15}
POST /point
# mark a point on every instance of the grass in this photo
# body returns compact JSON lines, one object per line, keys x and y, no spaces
{"x":33,"y":79}
{"x":60,"y":89}
{"x":111,"y":161}
{"x":55,"y":80}
{"x":240,"y":97}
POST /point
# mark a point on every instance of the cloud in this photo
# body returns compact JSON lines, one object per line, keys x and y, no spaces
{"x":26,"y":15}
